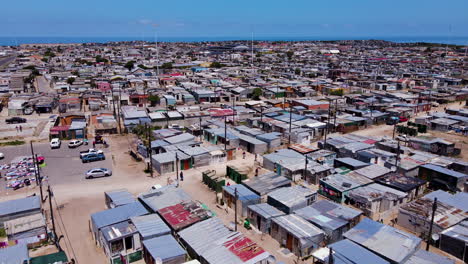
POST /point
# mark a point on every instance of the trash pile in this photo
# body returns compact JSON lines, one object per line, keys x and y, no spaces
{"x":20,"y":172}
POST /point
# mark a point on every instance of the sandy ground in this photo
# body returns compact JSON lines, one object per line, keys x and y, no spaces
{"x":75,"y":201}
{"x":459,"y":140}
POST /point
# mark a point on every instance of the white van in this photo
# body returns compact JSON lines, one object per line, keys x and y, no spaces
{"x":55,"y":143}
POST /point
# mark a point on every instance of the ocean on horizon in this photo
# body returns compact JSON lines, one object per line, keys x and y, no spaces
{"x":13,"y":41}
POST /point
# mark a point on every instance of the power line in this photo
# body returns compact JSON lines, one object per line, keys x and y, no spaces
{"x":66,"y":233}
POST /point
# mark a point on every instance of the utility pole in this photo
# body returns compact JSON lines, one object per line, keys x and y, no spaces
{"x":38,"y":175}
{"x":201,"y":130}
{"x":261,"y":114}
{"x":394,"y":129}
{"x":177,"y":168}
{"x":434,"y":208}
{"x":36,"y":168}
{"x":113,"y":102}
{"x":235,"y":209}
{"x":118,"y":110}
{"x":233,"y":110}
{"x":52,"y":213}
{"x":328,"y":122}
{"x":290,"y":123}
{"x":398,"y":154}
{"x":305,"y":168}
{"x":148,"y":149}
{"x":225,"y":133}
{"x":336,"y":111}
{"x":331,"y":260}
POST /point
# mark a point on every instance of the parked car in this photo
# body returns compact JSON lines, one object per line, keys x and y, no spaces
{"x":55,"y":143}
{"x":403,"y":119}
{"x":98,"y":172}
{"x":90,"y":151}
{"x":15,"y":120}
{"x":74,"y":143}
{"x":2,"y":156}
{"x":392,"y":120}
{"x":93,"y":157}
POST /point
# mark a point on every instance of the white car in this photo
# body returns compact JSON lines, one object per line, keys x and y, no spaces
{"x":90,"y":151}
{"x":74,"y":143}
{"x":98,"y":172}
{"x":2,"y":155}
{"x":55,"y":143}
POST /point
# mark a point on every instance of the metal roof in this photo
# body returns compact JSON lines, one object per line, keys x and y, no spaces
{"x":179,"y":138}
{"x":375,"y":191}
{"x":384,"y":240}
{"x":458,"y":232}
{"x":298,"y":227}
{"x":401,"y":182}
{"x":458,"y":200}
{"x":201,"y":236}
{"x":24,"y":224}
{"x":235,"y":248}
{"x":265,"y":210}
{"x":184,"y":214}
{"x":120,"y":197}
{"x":345,"y":182}
{"x":118,"y":214}
{"x":373,"y":171}
{"x":150,"y":226}
{"x":16,"y":254}
{"x":291,"y":196}
{"x":118,"y":231}
{"x":347,"y":252}
{"x":266,"y":183}
{"x":243,"y":193}
{"x":328,"y":214}
{"x":445,"y":171}
{"x":164,"y":247}
{"x":164,"y":197}
{"x":352,"y":162}
{"x":426,"y":257}
{"x":20,"y":205}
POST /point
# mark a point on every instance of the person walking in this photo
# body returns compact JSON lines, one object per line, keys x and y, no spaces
{"x":181,"y":176}
{"x":243,"y":155}
{"x":17,"y":129}
{"x":94,"y":144}
{"x":21,"y":128}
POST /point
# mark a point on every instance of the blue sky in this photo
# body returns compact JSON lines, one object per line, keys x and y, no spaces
{"x":181,"y":18}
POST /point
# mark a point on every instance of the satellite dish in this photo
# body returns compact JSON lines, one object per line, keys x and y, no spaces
{"x":435,"y":237}
{"x":158,"y":260}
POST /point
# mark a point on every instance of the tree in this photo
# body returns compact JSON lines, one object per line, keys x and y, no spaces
{"x":256,"y":93}
{"x":216,"y":64}
{"x":153,"y":99}
{"x":289,"y":54}
{"x":167,"y":65}
{"x":338,"y":92}
{"x":297,"y":71}
{"x":129,"y":65}
{"x":49,"y":53}
{"x":71,"y":80}
{"x":100,"y":59}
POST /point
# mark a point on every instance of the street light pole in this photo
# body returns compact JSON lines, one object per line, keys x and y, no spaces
{"x":235,"y":209}
{"x":434,"y":208}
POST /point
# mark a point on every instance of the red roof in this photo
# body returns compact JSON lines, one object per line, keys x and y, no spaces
{"x":243,"y":247}
{"x":370,"y":141}
{"x":220,"y":112}
{"x":179,"y":216}
{"x":59,"y":128}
